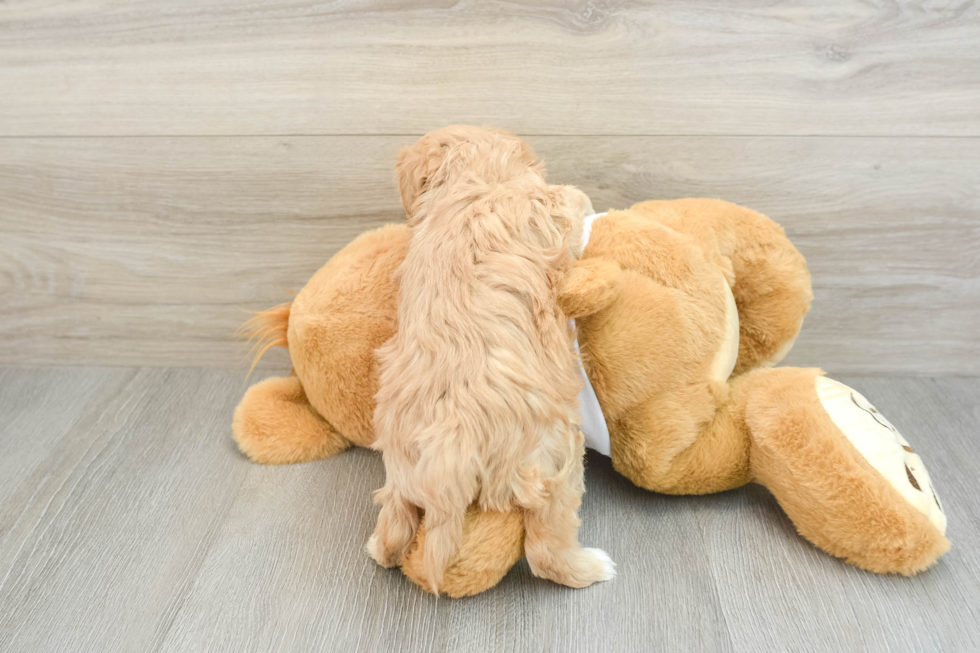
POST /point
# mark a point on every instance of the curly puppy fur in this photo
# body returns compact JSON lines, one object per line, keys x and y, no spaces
{"x":477,"y":395}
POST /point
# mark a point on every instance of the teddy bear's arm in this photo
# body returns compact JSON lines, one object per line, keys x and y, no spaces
{"x":767,"y":274}
{"x":589,"y":287}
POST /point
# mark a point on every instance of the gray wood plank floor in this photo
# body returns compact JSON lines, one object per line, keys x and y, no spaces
{"x":129,"y":522}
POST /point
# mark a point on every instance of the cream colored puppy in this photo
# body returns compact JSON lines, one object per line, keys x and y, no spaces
{"x":477,"y":395}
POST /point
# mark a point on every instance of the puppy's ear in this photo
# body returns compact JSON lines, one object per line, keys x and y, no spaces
{"x":569,"y":208}
{"x":420,"y":166}
{"x":415,"y":168}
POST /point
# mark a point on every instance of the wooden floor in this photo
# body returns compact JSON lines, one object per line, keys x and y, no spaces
{"x":128,"y":521}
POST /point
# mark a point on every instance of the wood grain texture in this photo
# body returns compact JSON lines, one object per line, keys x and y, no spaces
{"x":814,"y":602}
{"x":150,"y":250}
{"x":101,"y":541}
{"x":28,"y":433}
{"x":556,"y":67}
{"x":141,"y":528}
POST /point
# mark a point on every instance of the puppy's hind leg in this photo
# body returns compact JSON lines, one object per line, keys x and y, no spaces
{"x":443,"y":537}
{"x":551,"y":541}
{"x":395,"y":530}
{"x":553,"y":550}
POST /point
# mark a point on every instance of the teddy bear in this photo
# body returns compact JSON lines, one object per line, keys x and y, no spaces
{"x":682,"y":310}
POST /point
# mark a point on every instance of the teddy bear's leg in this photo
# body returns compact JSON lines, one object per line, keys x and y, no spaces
{"x":493,"y":542}
{"x":690,"y":441}
{"x":847,"y":479}
{"x":275,"y":424}
{"x":768,"y":276}
{"x":772,"y":289}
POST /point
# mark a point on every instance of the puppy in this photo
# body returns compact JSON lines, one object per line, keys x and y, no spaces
{"x":477,"y":395}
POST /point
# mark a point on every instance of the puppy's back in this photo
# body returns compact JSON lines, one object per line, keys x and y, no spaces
{"x":477,"y":392}
{"x":481,"y":365}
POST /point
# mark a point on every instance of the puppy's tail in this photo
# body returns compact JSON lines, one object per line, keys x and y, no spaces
{"x":443,"y":537}
{"x":266,"y":329}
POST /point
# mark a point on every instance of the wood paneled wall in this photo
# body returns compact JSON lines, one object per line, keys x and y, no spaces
{"x":165,"y":167}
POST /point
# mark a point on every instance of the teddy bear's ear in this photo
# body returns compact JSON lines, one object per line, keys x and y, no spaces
{"x":590,"y":286}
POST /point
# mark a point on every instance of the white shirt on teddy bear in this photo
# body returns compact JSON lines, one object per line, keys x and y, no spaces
{"x":593,"y":421}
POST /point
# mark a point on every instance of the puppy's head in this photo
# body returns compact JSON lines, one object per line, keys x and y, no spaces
{"x":440,"y":156}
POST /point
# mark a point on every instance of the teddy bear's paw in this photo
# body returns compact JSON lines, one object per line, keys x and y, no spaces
{"x":882,"y":446}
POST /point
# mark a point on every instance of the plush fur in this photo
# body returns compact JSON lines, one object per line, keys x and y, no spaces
{"x":490,"y":541}
{"x":834,"y":497}
{"x":649,"y":303}
{"x":477,"y":396}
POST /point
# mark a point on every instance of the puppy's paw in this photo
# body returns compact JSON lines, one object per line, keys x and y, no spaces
{"x":372,"y":548}
{"x":385,"y":555}
{"x":376,"y":551}
{"x":606,"y":566}
{"x":572,"y":567}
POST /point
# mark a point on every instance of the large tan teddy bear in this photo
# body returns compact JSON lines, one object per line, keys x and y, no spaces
{"x":681,"y":307}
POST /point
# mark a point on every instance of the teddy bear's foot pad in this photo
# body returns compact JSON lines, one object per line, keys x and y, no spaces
{"x":882,"y":446}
